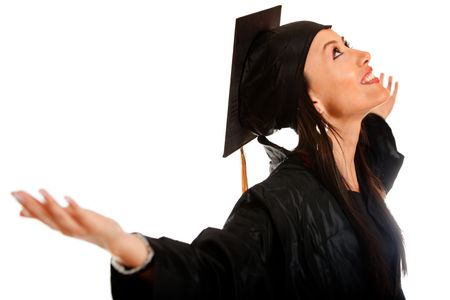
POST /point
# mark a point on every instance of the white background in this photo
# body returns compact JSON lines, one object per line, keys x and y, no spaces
{"x":122,"y":105}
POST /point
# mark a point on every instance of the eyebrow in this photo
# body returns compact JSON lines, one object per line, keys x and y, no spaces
{"x":331,"y":42}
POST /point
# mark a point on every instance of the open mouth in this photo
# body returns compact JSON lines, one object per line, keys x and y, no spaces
{"x":369,"y":78}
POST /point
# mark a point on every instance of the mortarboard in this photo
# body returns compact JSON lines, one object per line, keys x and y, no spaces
{"x":267,"y":77}
{"x":247,"y":28}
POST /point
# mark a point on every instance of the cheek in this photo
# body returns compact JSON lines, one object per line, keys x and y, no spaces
{"x":348,"y":96}
{"x":342,"y":94}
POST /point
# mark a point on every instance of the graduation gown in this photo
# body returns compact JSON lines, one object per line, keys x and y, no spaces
{"x":286,"y":238}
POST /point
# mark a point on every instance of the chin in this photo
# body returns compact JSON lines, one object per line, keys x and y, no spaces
{"x":379,"y":96}
{"x":384,"y":95}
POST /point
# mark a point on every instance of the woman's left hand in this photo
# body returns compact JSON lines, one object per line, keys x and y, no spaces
{"x":385,"y":109}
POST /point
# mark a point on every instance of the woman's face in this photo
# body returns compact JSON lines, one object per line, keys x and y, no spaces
{"x":336,"y":77}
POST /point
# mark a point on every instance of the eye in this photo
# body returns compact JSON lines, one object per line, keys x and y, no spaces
{"x":336,"y":50}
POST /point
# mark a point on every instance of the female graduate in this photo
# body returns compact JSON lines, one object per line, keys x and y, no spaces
{"x":318,"y":226}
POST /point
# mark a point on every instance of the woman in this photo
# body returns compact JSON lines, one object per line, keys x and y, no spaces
{"x":317,"y":227}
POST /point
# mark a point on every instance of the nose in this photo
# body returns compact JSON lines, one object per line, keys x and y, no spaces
{"x":363,"y":58}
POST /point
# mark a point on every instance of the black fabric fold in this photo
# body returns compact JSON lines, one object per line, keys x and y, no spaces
{"x":381,"y":150}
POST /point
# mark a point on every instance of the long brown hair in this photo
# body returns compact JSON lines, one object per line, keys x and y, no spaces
{"x":315,"y":143}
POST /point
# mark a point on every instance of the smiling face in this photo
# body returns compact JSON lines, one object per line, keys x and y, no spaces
{"x":336,"y":77}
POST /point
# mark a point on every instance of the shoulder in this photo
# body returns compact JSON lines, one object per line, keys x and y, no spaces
{"x":290,"y":175}
{"x":293,"y":192}
{"x":380,"y":150}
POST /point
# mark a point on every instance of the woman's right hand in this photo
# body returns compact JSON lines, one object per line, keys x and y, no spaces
{"x":385,"y":109}
{"x":83,"y":224}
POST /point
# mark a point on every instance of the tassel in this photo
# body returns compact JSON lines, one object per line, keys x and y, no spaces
{"x":243,"y":171}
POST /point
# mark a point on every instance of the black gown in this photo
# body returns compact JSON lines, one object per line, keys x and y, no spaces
{"x":286,"y":238}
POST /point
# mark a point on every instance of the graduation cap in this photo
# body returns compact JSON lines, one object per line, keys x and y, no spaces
{"x":246,"y":29}
{"x":266,"y":76}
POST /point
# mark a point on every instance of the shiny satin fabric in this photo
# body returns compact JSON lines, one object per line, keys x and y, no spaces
{"x":286,"y":238}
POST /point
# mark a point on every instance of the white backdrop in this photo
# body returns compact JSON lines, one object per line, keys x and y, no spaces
{"x":122,"y":105}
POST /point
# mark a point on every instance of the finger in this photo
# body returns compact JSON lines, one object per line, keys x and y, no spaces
{"x":381,"y":78}
{"x":65,"y":222}
{"x":34,"y":208}
{"x":389,"y":87}
{"x":80,"y":215}
{"x":394,"y":94}
{"x":72,"y":203}
{"x":25,"y":213}
{"x":47,"y":197}
{"x":73,"y":208}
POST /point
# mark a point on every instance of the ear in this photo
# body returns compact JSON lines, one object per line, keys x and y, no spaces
{"x":317,"y":103}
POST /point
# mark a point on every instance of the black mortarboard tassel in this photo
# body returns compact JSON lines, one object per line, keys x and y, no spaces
{"x":267,"y":75}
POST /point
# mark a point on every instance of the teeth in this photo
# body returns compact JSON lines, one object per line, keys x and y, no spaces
{"x":368,"y":78}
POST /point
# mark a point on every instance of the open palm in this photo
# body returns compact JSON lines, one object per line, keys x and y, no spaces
{"x":385,"y":109}
{"x":72,"y":220}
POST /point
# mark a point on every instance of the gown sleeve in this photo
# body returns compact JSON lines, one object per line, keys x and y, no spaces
{"x":229,"y":263}
{"x":381,"y":150}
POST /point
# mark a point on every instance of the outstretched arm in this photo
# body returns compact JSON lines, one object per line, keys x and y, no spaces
{"x":235,"y":262}
{"x":83,"y":224}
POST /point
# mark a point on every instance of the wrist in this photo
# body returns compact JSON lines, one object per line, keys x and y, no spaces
{"x":130,"y":250}
{"x":116,"y":243}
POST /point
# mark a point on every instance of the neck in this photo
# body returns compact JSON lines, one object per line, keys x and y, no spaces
{"x":344,"y":149}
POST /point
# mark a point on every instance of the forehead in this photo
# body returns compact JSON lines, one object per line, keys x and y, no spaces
{"x":317,"y":56}
{"x":323,"y":37}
